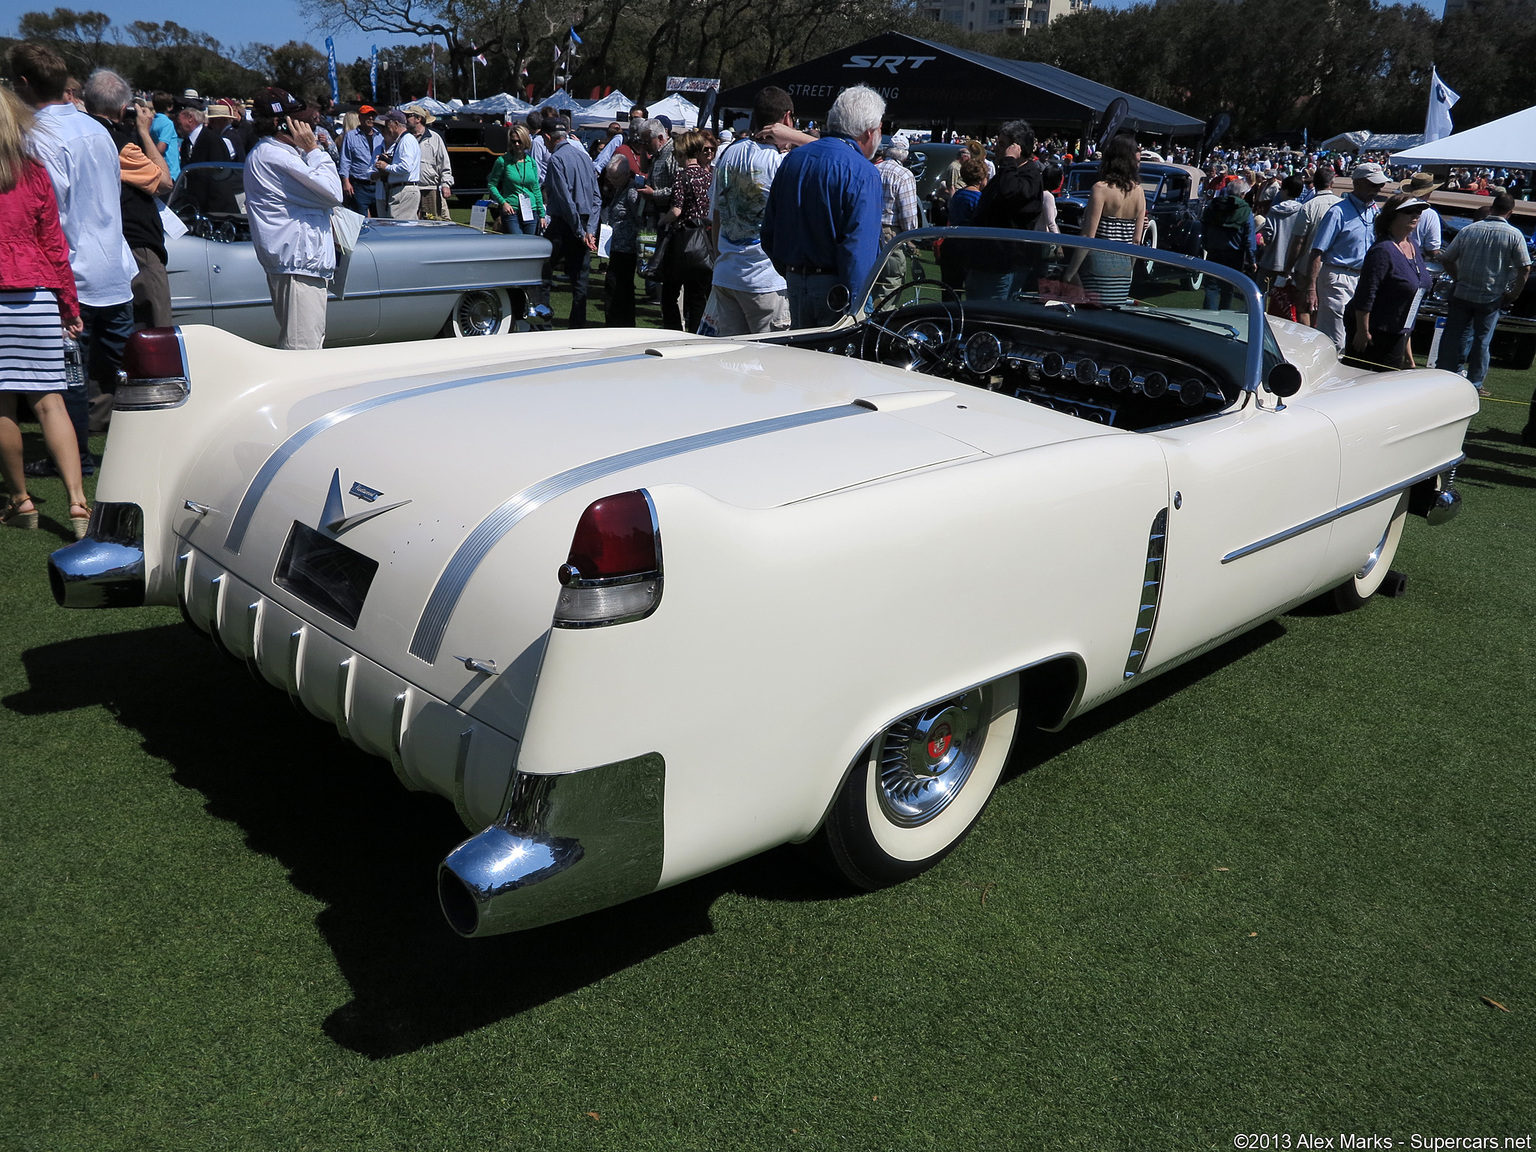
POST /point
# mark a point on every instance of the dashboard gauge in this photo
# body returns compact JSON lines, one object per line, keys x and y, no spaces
{"x":1052,"y":363}
{"x":1154,"y":384}
{"x":1086,"y":371}
{"x":982,"y":353}
{"x":1119,"y":378}
{"x":1191,"y":392}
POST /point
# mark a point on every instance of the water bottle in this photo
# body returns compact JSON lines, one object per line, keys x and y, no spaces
{"x":74,"y":363}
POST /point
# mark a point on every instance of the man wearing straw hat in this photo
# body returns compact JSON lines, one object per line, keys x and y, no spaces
{"x":436,"y":180}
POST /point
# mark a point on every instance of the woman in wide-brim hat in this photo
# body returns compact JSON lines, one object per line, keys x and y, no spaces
{"x":1392,"y":284}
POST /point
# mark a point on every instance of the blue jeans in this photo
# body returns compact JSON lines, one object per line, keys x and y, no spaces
{"x":363,"y":192}
{"x":515,"y":225}
{"x":1468,"y":332}
{"x":808,"y":300}
{"x":985,"y":284}
{"x":1218,"y":295}
{"x":102,"y":342}
{"x":571,"y":256}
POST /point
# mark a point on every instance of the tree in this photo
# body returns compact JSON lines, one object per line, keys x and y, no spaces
{"x":79,"y":35}
{"x":297,"y":68}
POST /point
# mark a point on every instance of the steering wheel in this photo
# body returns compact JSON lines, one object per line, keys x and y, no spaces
{"x":926,"y":345}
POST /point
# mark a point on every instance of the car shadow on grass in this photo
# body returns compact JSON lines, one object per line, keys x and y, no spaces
{"x":1488,"y":463}
{"x":351,"y":837}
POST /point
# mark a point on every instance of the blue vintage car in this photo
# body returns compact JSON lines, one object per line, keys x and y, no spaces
{"x":405,"y":280}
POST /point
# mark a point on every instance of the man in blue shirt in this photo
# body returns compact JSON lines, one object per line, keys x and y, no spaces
{"x":1344,"y":235}
{"x":359,"y":149}
{"x":821,"y":226}
{"x":572,"y":202}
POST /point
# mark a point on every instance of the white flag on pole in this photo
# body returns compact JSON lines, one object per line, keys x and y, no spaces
{"x":1437,"y":125}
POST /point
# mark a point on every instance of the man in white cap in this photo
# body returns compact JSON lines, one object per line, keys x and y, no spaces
{"x":1343,"y":237}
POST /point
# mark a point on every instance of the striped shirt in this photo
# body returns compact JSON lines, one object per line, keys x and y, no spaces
{"x":1485,"y":256}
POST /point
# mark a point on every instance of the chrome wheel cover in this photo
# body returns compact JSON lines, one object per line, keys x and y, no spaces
{"x":924,"y":759}
{"x":479,"y":313}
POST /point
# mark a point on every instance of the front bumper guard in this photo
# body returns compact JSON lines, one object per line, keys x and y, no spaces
{"x":564,"y":845}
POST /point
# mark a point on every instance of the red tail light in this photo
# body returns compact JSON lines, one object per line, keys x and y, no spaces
{"x":154,"y":371}
{"x":613,"y":572}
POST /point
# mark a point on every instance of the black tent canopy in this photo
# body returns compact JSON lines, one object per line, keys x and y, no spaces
{"x":927,"y":82}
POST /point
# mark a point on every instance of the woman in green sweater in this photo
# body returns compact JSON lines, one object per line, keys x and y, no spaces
{"x":513,"y":178}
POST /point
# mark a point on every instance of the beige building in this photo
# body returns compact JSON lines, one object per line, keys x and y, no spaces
{"x":1015,"y":17}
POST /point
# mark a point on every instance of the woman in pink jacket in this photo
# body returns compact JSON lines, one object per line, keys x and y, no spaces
{"x":37,"y":307}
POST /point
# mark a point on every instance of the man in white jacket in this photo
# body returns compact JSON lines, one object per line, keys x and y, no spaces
{"x":291,"y":185}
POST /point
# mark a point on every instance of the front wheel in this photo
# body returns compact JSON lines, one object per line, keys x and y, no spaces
{"x":481,"y":312}
{"x":1149,"y":240}
{"x":1194,"y":281}
{"x":1360,"y":587}
{"x":920,"y":786}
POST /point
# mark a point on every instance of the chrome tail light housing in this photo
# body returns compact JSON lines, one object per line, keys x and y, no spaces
{"x":154,"y":372}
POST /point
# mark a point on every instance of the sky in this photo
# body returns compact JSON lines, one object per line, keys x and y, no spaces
{"x":233,"y":25}
{"x":279,"y":21}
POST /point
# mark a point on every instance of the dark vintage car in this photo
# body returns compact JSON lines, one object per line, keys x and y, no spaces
{"x":1173,"y":206}
{"x":1514,"y":341}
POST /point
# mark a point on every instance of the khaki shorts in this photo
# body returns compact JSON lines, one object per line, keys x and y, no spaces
{"x":731,"y":312}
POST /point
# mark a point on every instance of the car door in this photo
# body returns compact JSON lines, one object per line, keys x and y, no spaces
{"x":238,"y":292}
{"x":1238,"y":482}
{"x":186,"y":267}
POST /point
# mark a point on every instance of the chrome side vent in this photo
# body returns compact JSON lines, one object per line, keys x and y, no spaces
{"x":1151,"y":593}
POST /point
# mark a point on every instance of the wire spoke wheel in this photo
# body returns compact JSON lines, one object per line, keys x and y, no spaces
{"x":921,"y":784}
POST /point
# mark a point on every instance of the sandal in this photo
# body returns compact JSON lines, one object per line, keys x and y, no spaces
{"x":14,"y":517}
{"x":80,"y":524}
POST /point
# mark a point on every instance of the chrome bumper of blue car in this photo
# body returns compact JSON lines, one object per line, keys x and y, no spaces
{"x":564,"y":845}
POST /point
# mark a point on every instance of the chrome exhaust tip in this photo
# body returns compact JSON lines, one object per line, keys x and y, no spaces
{"x":1435,"y":499}
{"x":486,"y":885}
{"x":106,"y":569}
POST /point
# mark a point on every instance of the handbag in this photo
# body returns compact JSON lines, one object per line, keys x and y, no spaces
{"x":654,"y":268}
{"x":346,"y":226}
{"x":690,"y":251}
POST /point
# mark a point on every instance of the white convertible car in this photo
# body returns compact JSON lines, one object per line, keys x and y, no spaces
{"x":642,"y":604}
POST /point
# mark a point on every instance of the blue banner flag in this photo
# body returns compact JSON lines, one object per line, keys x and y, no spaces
{"x":330,"y":67}
{"x":575,"y":37}
{"x":373,"y":74}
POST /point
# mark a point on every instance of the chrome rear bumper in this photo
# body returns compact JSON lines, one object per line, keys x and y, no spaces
{"x":106,"y":569}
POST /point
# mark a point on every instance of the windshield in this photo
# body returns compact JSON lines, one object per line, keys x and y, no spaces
{"x":1023,"y":281}
{"x":1080,"y":180}
{"x":210,"y":200}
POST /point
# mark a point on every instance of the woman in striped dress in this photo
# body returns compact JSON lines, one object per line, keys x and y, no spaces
{"x":1117,"y":210}
{"x":37,"y":307}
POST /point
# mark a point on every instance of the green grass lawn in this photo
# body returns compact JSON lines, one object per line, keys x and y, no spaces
{"x":1272,"y":892}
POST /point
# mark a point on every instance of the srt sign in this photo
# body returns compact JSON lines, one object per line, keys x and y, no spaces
{"x":889,"y":63}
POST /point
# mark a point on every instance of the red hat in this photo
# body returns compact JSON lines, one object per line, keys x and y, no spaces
{"x":365,"y":110}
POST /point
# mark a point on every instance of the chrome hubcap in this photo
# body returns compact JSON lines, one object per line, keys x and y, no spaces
{"x":925,"y":759}
{"x":479,"y":313}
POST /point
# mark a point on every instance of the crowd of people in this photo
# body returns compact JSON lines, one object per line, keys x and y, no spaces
{"x":755,"y":232}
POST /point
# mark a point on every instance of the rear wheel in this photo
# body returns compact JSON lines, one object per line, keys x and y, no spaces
{"x":921,"y":785}
{"x":481,"y":312}
{"x":1360,"y":587}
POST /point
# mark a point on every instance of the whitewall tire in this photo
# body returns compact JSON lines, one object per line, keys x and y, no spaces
{"x":1360,"y":587}
{"x":921,"y":785}
{"x":481,"y":312}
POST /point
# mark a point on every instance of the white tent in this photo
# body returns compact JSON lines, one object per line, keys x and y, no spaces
{"x":1363,"y":141}
{"x":1509,"y":142}
{"x":614,"y":106}
{"x":436,"y":107}
{"x":497,"y":105}
{"x":562,"y":100}
{"x":683,"y":113}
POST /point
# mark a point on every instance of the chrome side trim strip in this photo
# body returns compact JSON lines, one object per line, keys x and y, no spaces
{"x":428,"y":637}
{"x":1151,"y":594}
{"x":295,"y":658}
{"x":286,"y":450}
{"x":1337,"y":513}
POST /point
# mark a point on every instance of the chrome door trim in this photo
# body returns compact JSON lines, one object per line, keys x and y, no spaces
{"x":1341,"y":511}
